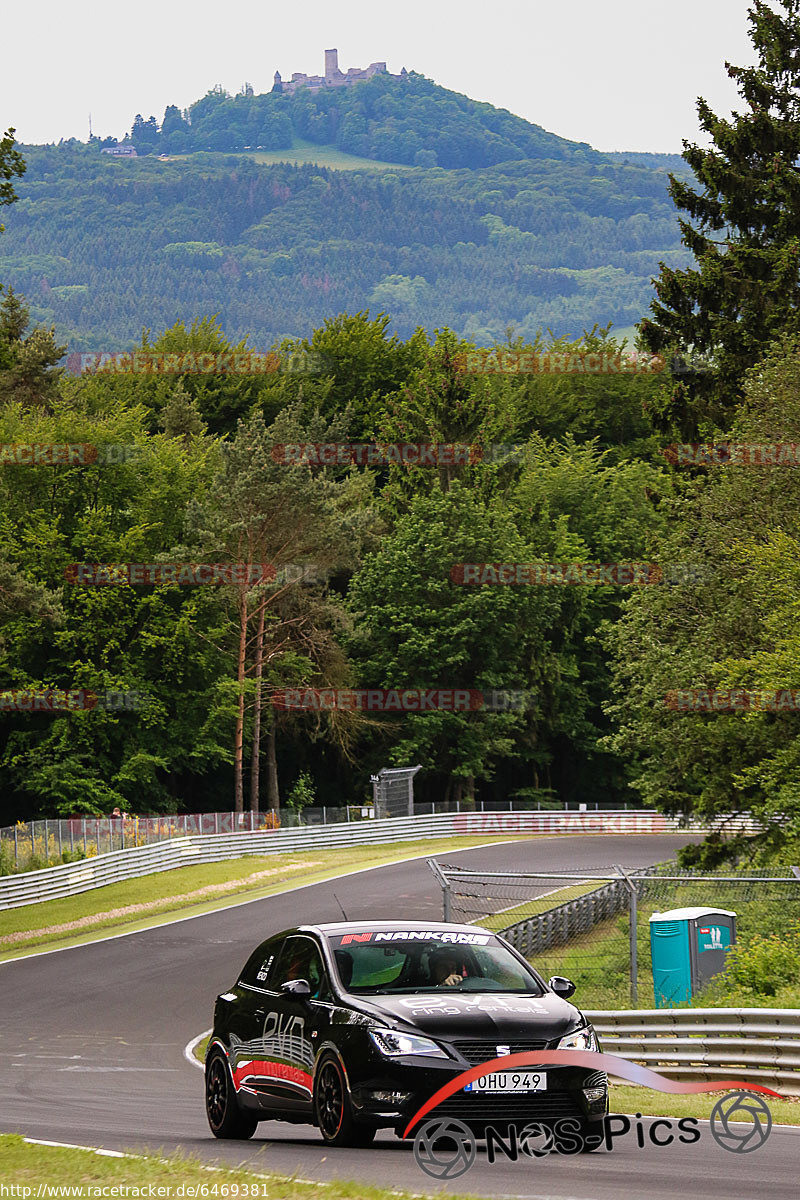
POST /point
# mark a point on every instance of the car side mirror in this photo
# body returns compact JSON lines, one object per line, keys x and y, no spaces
{"x":298,"y":988}
{"x":561,"y":986}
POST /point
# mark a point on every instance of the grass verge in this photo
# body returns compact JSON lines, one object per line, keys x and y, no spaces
{"x":138,"y":903}
{"x":532,"y":908}
{"x":624,"y":1098}
{"x":84,"y":1171}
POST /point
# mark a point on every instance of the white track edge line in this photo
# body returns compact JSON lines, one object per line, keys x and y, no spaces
{"x":257,"y":899}
{"x":188,"y":1049}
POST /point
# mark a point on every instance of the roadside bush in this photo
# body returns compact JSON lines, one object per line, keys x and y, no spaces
{"x":758,"y":970}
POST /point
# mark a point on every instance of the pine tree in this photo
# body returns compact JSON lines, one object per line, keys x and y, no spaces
{"x":11,"y":163}
{"x":180,"y":417}
{"x":743,"y":228}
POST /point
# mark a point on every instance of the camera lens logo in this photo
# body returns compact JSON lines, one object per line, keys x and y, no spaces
{"x":536,"y":1140}
{"x":444,"y":1149}
{"x":741,"y":1107}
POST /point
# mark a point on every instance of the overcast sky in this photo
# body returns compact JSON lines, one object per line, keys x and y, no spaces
{"x":620,"y":74}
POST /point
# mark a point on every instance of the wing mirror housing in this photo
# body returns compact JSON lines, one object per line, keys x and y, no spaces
{"x":561,"y":986}
{"x":297,"y":988}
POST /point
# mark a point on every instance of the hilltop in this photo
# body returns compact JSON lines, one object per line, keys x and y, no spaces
{"x":408,"y":119}
{"x":513,"y":226}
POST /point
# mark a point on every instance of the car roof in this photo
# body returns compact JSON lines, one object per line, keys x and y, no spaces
{"x":330,"y":928}
{"x":334,"y":928}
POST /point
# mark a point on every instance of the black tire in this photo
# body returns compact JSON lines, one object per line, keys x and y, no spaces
{"x":333,"y":1110}
{"x":225,"y":1118}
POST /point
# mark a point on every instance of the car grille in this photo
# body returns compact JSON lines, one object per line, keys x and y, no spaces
{"x":495,"y":1110}
{"x":477,"y":1052}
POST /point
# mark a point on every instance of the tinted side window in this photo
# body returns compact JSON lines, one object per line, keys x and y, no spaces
{"x":257,"y":967}
{"x":299,"y":958}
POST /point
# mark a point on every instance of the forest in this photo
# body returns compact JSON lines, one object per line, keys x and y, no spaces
{"x":634,"y":557}
{"x":512,"y":226}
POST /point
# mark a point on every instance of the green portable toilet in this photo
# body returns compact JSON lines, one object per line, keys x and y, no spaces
{"x":688,"y":947}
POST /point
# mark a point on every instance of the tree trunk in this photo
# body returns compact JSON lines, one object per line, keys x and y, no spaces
{"x":273,"y":795}
{"x":238,"y":738}
{"x":255,"y":759}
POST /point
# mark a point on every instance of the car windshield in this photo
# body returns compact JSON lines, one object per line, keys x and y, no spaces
{"x":381,"y":963}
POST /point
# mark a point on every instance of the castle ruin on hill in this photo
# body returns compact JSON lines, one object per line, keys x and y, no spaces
{"x":333,"y":77}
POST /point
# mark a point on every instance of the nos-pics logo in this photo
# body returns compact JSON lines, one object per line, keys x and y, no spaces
{"x":446,"y":1148}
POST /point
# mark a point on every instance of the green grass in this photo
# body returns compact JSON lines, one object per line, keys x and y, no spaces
{"x":167,"y":892}
{"x":303,"y":152}
{"x":532,"y":908}
{"x":200,"y":1049}
{"x":624,"y":1098}
{"x":25,"y":1165}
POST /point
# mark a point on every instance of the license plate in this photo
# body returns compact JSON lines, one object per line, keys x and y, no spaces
{"x":510,"y":1081}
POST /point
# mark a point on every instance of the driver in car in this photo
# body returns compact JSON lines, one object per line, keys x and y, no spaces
{"x":444,"y":969}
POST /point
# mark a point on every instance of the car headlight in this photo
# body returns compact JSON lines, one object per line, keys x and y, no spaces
{"x":392,"y":1044}
{"x":582,"y":1039}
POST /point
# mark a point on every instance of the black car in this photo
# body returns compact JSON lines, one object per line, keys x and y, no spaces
{"x":353,"y":1026}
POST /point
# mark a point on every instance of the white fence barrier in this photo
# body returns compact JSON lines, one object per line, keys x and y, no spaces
{"x":53,"y":883}
{"x":758,"y":1045}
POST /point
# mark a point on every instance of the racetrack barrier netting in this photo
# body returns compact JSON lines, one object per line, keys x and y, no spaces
{"x":578,"y":924}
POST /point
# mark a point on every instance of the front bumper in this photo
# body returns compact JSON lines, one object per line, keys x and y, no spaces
{"x":393,"y":1092}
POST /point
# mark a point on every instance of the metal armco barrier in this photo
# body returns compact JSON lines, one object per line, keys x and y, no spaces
{"x":559,"y":925}
{"x":759,"y":1045}
{"x":32,"y":887}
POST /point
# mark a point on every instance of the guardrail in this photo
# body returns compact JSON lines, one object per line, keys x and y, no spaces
{"x":760,"y":1045}
{"x":51,"y":883}
{"x":39,"y":839}
{"x":557,"y":926}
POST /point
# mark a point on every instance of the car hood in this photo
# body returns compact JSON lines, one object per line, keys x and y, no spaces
{"x":477,"y":1015}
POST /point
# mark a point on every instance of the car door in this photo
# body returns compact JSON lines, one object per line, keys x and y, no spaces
{"x":293,"y":1026}
{"x":245,"y":1020}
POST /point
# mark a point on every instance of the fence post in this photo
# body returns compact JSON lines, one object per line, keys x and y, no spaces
{"x":46,"y":841}
{"x":16,"y":847}
{"x":60,"y":839}
{"x":444,"y":883}
{"x":634,"y":933}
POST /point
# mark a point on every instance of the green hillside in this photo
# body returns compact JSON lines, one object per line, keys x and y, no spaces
{"x":278,"y":238}
{"x":410,"y":120}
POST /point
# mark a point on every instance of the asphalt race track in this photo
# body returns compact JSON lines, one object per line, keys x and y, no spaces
{"x":92,"y":1040}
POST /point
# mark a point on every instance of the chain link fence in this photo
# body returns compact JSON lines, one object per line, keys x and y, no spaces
{"x":593,"y":927}
{"x":30,"y":845}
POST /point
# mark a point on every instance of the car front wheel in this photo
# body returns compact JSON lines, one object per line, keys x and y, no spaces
{"x":333,"y":1110}
{"x":225,"y":1117}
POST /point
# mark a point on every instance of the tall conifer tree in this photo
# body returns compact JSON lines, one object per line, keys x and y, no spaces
{"x":743,"y":227}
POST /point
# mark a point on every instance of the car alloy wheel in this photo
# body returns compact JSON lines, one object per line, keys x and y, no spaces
{"x":334,"y":1112}
{"x":225,"y":1118}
